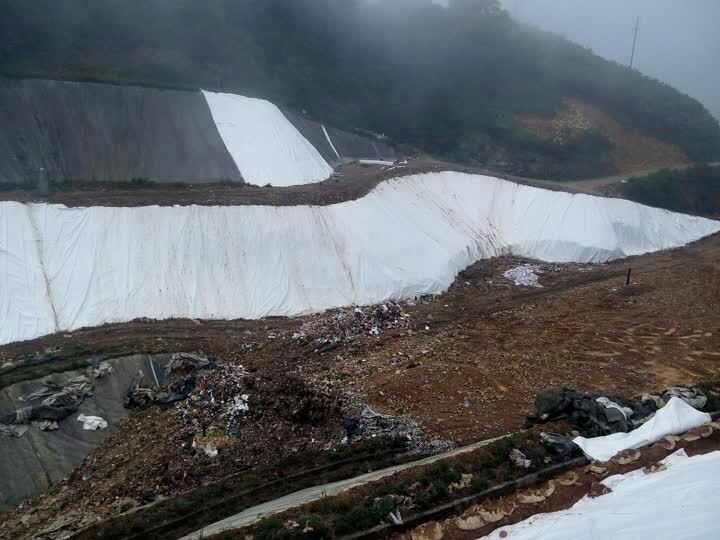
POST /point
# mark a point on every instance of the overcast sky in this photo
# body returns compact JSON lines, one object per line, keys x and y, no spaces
{"x":678,"y":42}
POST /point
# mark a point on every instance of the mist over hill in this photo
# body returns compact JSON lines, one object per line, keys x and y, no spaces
{"x":456,"y":82}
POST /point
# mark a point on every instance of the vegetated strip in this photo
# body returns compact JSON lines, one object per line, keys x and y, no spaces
{"x":427,"y":485}
{"x":458,"y":505}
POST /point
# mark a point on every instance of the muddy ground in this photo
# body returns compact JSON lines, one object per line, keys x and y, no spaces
{"x":465,"y":365}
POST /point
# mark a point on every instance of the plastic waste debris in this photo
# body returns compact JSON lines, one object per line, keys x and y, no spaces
{"x":92,"y":423}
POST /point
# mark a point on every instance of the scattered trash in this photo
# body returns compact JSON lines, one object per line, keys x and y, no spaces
{"x":605,"y":402}
{"x":347,"y":324}
{"x":58,"y":402}
{"x":465,"y":482}
{"x":395,"y":518}
{"x":177,"y":389}
{"x":138,"y":395}
{"x":691,"y":395}
{"x":92,"y":423}
{"x":210,"y":449}
{"x":100,"y":369}
{"x":524,"y":276}
{"x":46,"y":425}
{"x":13,"y":430}
{"x":369,"y":413}
{"x":189,"y":362}
{"x":559,"y":444}
{"x":520,"y":460}
{"x":597,"y":415}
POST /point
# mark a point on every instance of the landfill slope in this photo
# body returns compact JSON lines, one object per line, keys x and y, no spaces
{"x":25,"y":309}
{"x":60,"y":131}
{"x":74,"y":131}
{"x":409,"y":236}
{"x":338,"y":147}
{"x":265,"y":145}
{"x":38,"y":459}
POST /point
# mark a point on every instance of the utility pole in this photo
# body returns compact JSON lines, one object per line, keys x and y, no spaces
{"x":637,"y":29}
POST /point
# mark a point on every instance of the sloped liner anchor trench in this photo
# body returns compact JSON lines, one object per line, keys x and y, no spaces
{"x":409,"y":236}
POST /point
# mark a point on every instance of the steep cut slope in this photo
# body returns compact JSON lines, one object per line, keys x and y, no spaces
{"x":81,"y":131}
{"x":337,"y":146}
{"x":408,"y":237}
{"x":88,"y":132}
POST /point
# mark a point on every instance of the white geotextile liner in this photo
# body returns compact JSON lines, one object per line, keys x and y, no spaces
{"x":409,"y":236}
{"x":24,"y":306}
{"x":674,"y":418}
{"x":265,"y":146}
{"x":679,"y":502}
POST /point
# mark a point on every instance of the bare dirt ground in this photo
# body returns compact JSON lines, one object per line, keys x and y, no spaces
{"x":350,"y":182}
{"x":632,"y":152}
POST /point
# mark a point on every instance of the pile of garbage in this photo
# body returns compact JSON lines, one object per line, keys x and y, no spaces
{"x":597,"y":415}
{"x":369,"y":424}
{"x":52,"y":402}
{"x":219,"y":401}
{"x":346,"y":324}
{"x":594,"y":414}
{"x":180,"y":375}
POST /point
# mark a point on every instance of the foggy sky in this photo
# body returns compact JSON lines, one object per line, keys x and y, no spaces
{"x":678,"y":43}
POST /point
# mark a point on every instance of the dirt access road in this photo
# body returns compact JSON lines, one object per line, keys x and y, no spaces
{"x":599,"y":186}
{"x":350,"y":182}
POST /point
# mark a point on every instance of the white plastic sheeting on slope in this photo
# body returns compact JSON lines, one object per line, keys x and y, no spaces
{"x":675,"y":417}
{"x":409,"y":236}
{"x":679,"y":502}
{"x":265,"y":146}
{"x":24,"y":305}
